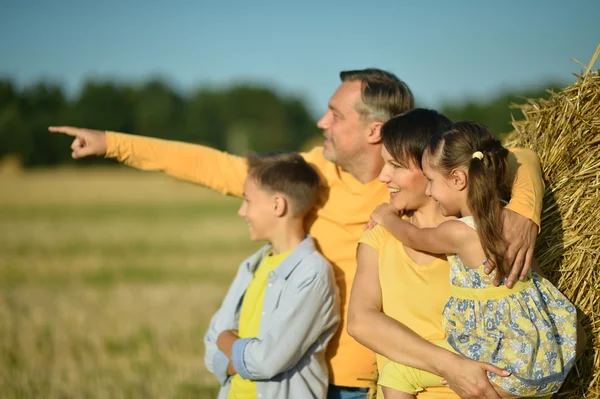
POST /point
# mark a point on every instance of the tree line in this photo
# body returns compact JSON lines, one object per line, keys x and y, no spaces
{"x":235,"y":119}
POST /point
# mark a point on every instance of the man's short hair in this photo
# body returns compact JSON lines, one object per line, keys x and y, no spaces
{"x":286,"y":173}
{"x":383,"y":95}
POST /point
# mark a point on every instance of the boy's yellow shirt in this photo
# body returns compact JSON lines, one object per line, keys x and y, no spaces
{"x":250,"y":315}
{"x":336,"y":224}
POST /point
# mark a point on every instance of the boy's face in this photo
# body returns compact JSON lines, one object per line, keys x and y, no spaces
{"x":258,"y":209}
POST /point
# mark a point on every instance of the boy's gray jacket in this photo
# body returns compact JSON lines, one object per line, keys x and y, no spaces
{"x":300,"y":314}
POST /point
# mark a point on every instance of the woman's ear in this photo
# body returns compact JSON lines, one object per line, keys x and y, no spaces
{"x":459,"y":179}
{"x":281,"y":205}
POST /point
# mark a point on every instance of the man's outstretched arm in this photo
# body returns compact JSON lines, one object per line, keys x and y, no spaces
{"x":195,"y":163}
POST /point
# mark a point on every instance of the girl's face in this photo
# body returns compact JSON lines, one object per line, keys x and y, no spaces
{"x":441,"y":188}
{"x":405,"y":181}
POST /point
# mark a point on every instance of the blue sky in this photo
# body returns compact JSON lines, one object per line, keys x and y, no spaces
{"x":446,"y":51}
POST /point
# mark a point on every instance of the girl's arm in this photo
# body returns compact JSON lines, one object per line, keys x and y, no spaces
{"x":448,"y":238}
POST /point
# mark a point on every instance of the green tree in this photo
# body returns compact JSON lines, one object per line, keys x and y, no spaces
{"x":158,"y":111}
{"x":496,"y":112}
{"x":45,"y":104}
{"x":106,"y":106}
{"x":15,"y":138}
{"x":205,"y":119}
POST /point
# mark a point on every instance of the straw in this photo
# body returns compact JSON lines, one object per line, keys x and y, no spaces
{"x":564,"y":130}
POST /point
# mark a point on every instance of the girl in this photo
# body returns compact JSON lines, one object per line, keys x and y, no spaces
{"x":529,"y":330}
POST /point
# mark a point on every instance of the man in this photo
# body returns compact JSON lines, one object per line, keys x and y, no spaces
{"x":349,"y":163}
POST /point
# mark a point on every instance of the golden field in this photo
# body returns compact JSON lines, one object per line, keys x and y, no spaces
{"x":108,"y":279}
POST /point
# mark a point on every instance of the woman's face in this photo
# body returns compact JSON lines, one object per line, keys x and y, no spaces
{"x":405,"y":181}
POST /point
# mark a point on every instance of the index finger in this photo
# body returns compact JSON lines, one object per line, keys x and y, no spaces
{"x":68,"y":130}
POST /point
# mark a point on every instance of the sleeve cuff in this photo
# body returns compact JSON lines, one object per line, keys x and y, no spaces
{"x":237,"y":357}
{"x":110,"y":145}
{"x":220,"y":365}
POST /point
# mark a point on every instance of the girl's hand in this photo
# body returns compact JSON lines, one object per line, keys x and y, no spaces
{"x":382,"y":212}
{"x":468,"y":378}
{"x":370,"y":224}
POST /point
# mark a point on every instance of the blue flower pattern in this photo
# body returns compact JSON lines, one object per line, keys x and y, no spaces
{"x":530,"y":331}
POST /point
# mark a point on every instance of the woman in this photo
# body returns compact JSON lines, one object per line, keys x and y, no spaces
{"x":399,"y":293}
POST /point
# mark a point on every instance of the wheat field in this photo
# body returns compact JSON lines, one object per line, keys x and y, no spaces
{"x":108,"y":279}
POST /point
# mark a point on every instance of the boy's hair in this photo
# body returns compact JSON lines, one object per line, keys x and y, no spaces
{"x":286,"y":173}
{"x":383,"y":95}
{"x":487,"y":179}
{"x":407,"y":135}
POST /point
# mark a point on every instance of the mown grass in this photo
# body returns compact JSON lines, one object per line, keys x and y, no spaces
{"x":108,"y":279}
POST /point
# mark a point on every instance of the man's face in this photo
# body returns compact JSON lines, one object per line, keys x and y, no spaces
{"x":341,"y":125}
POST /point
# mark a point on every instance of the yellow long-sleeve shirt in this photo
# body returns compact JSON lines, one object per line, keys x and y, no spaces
{"x":344,"y":206}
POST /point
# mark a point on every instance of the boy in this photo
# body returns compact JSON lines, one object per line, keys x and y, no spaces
{"x":269,"y":337}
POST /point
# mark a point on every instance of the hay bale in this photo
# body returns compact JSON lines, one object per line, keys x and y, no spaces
{"x":564,"y":130}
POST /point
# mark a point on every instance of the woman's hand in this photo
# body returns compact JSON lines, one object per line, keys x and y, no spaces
{"x":468,"y":378}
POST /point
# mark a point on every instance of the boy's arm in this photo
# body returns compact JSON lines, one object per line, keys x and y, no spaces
{"x":311,"y":310}
{"x":216,"y":361}
{"x":225,"y":343}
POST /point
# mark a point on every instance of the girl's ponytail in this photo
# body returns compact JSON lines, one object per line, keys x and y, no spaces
{"x":487,"y":190}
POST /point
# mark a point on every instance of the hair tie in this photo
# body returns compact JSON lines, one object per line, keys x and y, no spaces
{"x":478,"y":155}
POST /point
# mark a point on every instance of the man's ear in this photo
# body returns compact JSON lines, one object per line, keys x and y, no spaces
{"x":374,"y":132}
{"x":281,"y":205}
{"x":459,"y":179}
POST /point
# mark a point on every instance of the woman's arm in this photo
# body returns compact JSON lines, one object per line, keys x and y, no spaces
{"x":390,"y":338}
{"x":374,"y":329}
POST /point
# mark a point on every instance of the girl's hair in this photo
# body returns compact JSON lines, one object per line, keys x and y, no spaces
{"x":461,"y":145}
{"x":406,"y":136}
